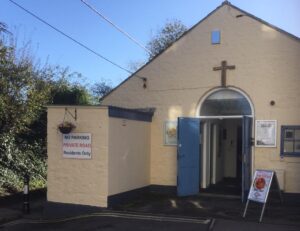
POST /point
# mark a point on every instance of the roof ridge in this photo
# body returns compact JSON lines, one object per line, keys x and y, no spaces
{"x":245,"y":13}
{"x":226,"y":3}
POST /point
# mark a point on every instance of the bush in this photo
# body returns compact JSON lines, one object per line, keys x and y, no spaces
{"x":17,"y":159}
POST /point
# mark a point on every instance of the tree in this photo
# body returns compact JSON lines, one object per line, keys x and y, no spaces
{"x":101,"y":89}
{"x":3,"y":28}
{"x":23,"y":93}
{"x":25,"y":89}
{"x":64,"y":92}
{"x":165,"y":36}
{"x":135,"y":65}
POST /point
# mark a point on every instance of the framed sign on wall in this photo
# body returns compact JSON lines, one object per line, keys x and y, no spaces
{"x":77,"y":145}
{"x":170,"y":133}
{"x":265,"y":133}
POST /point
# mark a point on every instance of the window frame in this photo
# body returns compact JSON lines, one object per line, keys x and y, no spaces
{"x":215,"y":37}
{"x":283,"y":139}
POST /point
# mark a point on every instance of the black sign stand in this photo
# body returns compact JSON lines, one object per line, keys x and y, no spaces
{"x":273,"y":179}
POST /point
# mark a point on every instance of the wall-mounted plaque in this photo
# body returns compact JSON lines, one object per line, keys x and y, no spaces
{"x":170,"y":132}
{"x":265,"y":133}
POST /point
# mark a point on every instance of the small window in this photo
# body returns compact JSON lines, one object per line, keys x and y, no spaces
{"x":215,"y":37}
{"x":290,"y":141}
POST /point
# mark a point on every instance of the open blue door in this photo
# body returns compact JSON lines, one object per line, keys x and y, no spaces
{"x":188,"y":156}
{"x":246,"y":164}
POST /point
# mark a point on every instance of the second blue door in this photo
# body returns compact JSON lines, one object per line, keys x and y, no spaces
{"x":188,"y":156}
{"x":246,"y":166}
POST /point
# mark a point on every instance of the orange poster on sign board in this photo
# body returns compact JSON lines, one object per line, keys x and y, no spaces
{"x":260,"y":186}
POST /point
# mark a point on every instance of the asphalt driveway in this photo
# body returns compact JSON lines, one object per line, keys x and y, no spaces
{"x":111,"y":221}
{"x":161,"y":212}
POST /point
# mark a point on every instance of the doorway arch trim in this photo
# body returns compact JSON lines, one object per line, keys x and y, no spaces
{"x":207,"y":94}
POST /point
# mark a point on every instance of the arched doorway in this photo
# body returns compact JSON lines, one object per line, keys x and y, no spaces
{"x":215,"y":146}
{"x":226,"y":122}
{"x":221,"y":103}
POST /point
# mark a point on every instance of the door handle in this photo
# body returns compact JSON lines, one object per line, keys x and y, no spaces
{"x":179,"y":153}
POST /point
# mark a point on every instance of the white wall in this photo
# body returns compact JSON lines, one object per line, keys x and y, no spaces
{"x":129,"y":155}
{"x":219,"y":158}
{"x":78,"y":181}
{"x":229,"y":146}
{"x":212,"y":162}
{"x":205,"y":163}
{"x":213,"y":153}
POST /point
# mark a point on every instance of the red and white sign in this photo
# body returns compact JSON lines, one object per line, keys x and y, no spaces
{"x":260,"y":186}
{"x":77,"y":145}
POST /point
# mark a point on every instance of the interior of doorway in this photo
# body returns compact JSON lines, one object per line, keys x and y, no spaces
{"x":221,"y":159}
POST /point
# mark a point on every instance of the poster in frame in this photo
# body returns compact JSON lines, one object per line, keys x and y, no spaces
{"x":170,"y":132}
{"x":265,"y":133}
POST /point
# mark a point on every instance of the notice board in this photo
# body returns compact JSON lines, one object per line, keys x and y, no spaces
{"x":265,"y":133}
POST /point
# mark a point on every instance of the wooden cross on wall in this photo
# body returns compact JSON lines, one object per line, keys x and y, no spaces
{"x":223,"y":68}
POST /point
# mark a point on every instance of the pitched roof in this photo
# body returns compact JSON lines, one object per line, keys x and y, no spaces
{"x":243,"y":13}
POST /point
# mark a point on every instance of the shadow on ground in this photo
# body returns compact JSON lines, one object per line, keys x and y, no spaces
{"x":201,"y":206}
{"x":217,"y":206}
{"x":11,"y":206}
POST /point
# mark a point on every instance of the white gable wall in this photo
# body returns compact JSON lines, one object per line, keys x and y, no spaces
{"x":267,"y":69}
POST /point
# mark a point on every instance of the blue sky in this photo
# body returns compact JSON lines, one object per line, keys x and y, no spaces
{"x":140,"y":18}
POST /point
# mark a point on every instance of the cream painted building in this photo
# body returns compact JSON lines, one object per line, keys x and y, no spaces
{"x":226,"y":99}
